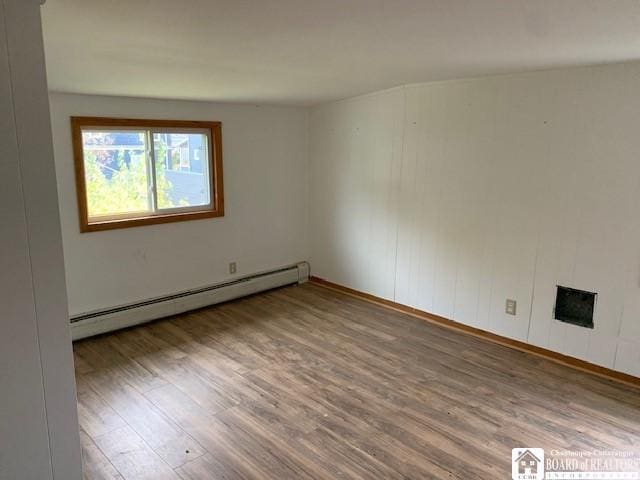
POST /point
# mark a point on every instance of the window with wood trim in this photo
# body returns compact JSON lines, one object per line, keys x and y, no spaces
{"x":142,"y":172}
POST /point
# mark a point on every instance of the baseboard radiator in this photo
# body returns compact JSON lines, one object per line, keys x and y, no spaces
{"x":107,"y":320}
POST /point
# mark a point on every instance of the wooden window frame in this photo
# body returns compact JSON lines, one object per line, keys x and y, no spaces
{"x":216,"y":209}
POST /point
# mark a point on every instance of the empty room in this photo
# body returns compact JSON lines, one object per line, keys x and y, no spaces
{"x":308,"y":240}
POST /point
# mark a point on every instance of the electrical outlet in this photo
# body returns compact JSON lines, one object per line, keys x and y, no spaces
{"x":510,"y":307}
{"x":232,"y":267}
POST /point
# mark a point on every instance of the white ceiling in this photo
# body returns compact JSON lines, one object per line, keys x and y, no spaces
{"x":305,"y":52}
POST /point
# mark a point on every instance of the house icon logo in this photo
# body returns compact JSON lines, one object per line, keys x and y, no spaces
{"x":527,"y":464}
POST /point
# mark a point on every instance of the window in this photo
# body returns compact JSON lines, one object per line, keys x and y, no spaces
{"x":141,"y":172}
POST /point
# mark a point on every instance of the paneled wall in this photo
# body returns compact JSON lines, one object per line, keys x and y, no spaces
{"x":452,"y":197}
{"x":39,"y":437}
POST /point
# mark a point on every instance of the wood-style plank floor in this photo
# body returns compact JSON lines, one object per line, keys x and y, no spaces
{"x":306,"y":383}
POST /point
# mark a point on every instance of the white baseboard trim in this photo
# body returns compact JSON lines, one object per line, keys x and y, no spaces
{"x":108,"y":320}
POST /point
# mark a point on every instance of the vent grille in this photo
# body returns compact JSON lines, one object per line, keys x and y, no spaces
{"x":575,"y":306}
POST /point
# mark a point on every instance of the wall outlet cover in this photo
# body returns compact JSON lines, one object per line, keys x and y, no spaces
{"x":232,"y":267}
{"x":510,"y":307}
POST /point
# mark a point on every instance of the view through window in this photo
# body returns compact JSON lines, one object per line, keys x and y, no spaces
{"x":132,"y":172}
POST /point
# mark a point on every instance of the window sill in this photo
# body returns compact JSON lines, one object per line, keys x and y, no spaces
{"x":96,"y":226}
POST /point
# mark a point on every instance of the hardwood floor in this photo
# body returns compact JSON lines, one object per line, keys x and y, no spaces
{"x":306,"y":383}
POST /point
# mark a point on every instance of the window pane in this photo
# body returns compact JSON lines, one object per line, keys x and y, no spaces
{"x":115,"y":172}
{"x":182,"y":169}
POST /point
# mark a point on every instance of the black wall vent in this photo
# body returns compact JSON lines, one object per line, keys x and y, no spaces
{"x":575,"y":306}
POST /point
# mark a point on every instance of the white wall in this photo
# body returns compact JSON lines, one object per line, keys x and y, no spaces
{"x":38,"y":418}
{"x":452,"y":197}
{"x":265,"y":222}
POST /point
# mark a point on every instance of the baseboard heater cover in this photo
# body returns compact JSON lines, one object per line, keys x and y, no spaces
{"x":108,"y":320}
